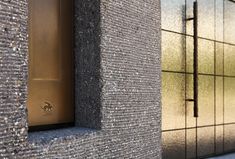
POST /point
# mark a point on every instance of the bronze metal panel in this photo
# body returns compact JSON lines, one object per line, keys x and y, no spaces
{"x":51,"y":77}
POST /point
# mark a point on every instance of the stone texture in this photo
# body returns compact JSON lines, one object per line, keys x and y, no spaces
{"x":117,"y":47}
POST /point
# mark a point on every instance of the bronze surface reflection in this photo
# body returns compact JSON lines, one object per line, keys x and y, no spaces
{"x":50,"y":98}
{"x":185,"y":136}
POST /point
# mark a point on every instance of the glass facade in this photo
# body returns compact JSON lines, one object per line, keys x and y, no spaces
{"x":212,"y":133}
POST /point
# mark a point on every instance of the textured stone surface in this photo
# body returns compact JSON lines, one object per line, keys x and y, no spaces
{"x":118,"y":83}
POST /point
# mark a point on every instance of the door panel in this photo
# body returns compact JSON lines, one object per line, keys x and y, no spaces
{"x":50,"y":98}
{"x":212,"y":132}
{"x":46,"y":53}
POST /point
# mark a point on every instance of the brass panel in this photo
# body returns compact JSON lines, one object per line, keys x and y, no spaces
{"x":191,"y":120}
{"x":173,"y":52}
{"x":189,"y":54}
{"x":51,"y":74}
{"x":206,"y":100}
{"x":219,"y":20}
{"x":205,"y":141}
{"x":219,"y":139}
{"x":219,"y":99}
{"x":173,"y":15}
{"x":189,"y":14}
{"x":206,"y":56}
{"x":213,"y":129}
{"x":45,"y":40}
{"x":229,"y":138}
{"x":229,"y":58}
{"x":173,"y":143}
{"x":229,"y":22}
{"x":229,"y":100}
{"x":206,"y":19}
{"x":219,"y":69}
{"x":191,"y":143}
{"x":173,"y":101}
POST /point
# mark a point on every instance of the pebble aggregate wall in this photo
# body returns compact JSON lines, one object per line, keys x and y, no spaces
{"x":118,"y":83}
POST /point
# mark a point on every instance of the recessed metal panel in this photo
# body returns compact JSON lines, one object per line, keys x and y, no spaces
{"x":50,"y":84}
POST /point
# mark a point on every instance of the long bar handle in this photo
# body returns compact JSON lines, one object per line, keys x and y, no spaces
{"x":195,"y":58}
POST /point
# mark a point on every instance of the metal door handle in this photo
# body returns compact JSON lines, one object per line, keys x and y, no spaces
{"x":195,"y":59}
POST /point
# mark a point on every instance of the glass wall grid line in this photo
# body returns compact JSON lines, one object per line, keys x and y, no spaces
{"x":223,"y":42}
{"x":204,"y":126}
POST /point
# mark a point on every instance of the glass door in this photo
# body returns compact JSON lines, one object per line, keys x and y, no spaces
{"x":184,"y":134}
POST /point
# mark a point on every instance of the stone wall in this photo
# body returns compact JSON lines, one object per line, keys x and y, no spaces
{"x":118,"y":114}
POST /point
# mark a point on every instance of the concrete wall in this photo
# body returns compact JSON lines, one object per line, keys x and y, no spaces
{"x":117,"y":47}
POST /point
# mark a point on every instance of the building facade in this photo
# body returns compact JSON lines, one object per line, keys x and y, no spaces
{"x":152,"y":79}
{"x":117,"y":59}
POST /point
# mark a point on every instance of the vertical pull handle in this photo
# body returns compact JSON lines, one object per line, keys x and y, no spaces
{"x":195,"y":58}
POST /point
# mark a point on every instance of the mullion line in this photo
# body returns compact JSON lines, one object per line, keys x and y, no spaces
{"x":185,"y":84}
{"x":205,"y":126}
{"x":203,"y":74}
{"x":222,"y":42}
{"x":215,"y":53}
{"x":223,"y":76}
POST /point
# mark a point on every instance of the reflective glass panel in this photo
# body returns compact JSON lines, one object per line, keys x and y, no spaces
{"x":229,"y":58}
{"x":173,"y":52}
{"x":229,"y":100}
{"x":229,"y":137}
{"x":206,"y":19}
{"x":229,"y":21}
{"x":191,"y":143}
{"x":219,"y":58}
{"x":173,"y":101}
{"x":173,"y":144}
{"x":206,"y":100}
{"x":219,"y":100}
{"x":206,"y":141}
{"x":219,"y":139}
{"x":173,"y":15}
{"x":219,"y":21}
{"x":206,"y":56}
